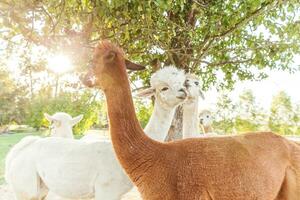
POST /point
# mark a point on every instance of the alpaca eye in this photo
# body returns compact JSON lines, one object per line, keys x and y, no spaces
{"x":164,"y":89}
{"x":196,"y":83}
{"x":207,"y":116}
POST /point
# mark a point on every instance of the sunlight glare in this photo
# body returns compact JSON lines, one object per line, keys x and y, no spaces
{"x":59,"y":64}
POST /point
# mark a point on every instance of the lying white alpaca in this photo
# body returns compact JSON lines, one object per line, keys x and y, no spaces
{"x":20,"y":171}
{"x":190,"y":107}
{"x":78,"y":169}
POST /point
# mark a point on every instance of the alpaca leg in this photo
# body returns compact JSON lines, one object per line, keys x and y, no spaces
{"x":52,"y":196}
{"x":43,"y":190}
{"x":27,"y":189}
{"x":133,"y":194}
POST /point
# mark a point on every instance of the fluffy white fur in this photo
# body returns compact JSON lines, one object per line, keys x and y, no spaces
{"x":167,"y":86}
{"x":205,"y":118}
{"x":190,"y":107}
{"x":20,"y":171}
{"x":62,"y":124}
{"x":91,"y":137}
{"x":79,"y":169}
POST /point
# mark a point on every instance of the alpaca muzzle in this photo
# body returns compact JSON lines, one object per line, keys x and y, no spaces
{"x":183,"y":95}
{"x":187,"y":84}
{"x":89,"y":80}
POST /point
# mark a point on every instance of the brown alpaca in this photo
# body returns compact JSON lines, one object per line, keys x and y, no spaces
{"x":256,"y":166}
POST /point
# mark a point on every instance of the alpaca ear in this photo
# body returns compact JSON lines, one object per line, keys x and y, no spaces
{"x":48,"y":117}
{"x":133,"y":66}
{"x":76,"y":120}
{"x":146,"y":93}
{"x":201,"y":94}
{"x":110,"y":57}
{"x":51,"y":119}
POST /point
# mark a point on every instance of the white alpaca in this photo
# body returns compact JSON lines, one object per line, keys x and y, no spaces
{"x":169,"y":91}
{"x":78,"y":169}
{"x":190,"y":107}
{"x":163,"y":89}
{"x":20,"y":171}
{"x":91,"y":137}
{"x":62,"y":123}
{"x":205,"y":118}
{"x":164,"y":85}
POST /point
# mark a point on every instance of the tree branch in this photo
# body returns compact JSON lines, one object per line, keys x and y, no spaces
{"x":226,"y":62}
{"x":244,"y":20}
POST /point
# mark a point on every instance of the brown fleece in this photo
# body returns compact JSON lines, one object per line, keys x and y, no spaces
{"x":254,"y":166}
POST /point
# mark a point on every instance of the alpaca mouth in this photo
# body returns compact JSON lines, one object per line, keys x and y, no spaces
{"x":181,"y":97}
{"x":89,"y":80}
{"x":201,"y":121}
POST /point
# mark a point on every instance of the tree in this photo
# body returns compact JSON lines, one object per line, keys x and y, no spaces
{"x":225,"y":115}
{"x":250,"y":116}
{"x":11,"y":100}
{"x":71,"y":103}
{"x":296,"y":118}
{"x":199,"y":36}
{"x":281,"y":114}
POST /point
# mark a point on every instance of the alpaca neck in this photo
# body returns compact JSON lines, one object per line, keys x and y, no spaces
{"x":190,"y":119}
{"x":62,"y":131}
{"x":207,"y":129}
{"x":129,"y":141}
{"x":160,"y":122}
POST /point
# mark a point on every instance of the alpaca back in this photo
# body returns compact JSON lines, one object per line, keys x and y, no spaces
{"x":15,"y":150}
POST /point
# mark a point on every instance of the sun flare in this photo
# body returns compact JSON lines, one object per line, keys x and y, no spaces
{"x":59,"y":63}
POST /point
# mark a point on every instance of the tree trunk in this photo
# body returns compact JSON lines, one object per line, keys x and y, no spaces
{"x":31,"y":83}
{"x":56,"y":86}
{"x":175,"y":132}
{"x":182,"y":61}
{"x":4,"y":129}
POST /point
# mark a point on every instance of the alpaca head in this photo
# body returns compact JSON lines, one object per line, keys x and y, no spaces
{"x":167,"y":85}
{"x":193,"y":86}
{"x":108,"y":67}
{"x":205,"y":118}
{"x":62,"y":120}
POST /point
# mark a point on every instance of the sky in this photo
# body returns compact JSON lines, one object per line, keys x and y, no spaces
{"x":263,"y":90}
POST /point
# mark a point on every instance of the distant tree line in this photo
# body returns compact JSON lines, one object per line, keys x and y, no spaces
{"x":283,"y":116}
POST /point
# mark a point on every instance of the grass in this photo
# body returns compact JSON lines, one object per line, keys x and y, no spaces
{"x":7,"y":141}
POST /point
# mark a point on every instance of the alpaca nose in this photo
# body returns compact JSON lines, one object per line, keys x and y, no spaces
{"x":187,"y":84}
{"x":88,"y":79}
{"x":181,"y":90}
